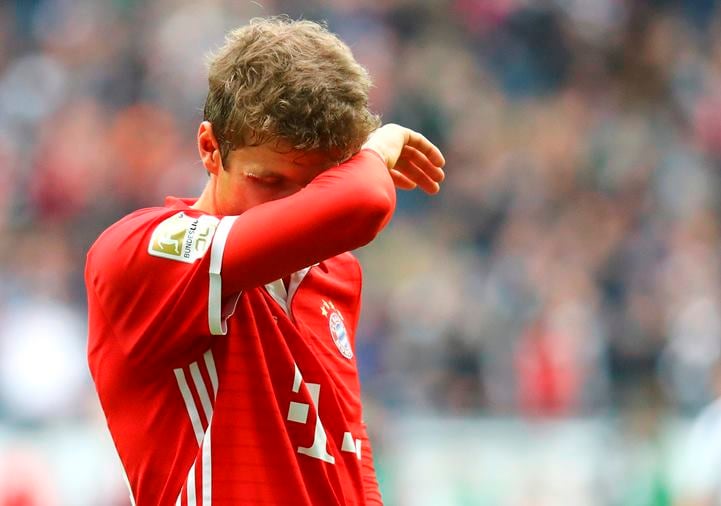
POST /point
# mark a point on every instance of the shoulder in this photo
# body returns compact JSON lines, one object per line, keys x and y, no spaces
{"x":133,"y":221}
{"x":125,"y":232}
{"x":345,"y":264}
{"x":143,"y":238}
{"x":346,"y":259}
{"x":160,"y":230}
{"x":342,"y":272}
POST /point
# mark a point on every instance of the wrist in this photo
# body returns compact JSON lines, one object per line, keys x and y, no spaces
{"x":375,"y":152}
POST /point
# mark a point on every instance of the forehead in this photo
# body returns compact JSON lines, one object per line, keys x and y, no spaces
{"x":276,"y":157}
{"x":307,"y":158}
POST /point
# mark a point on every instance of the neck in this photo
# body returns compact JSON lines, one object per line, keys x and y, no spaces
{"x":207,"y":202}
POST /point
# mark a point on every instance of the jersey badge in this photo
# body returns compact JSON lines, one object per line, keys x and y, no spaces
{"x":182,"y":237}
{"x":337,"y":328}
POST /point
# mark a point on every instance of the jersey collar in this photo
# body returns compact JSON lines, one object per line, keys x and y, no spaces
{"x":276,"y":289}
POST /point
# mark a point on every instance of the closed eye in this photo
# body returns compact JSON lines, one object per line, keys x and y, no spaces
{"x":266,"y":180}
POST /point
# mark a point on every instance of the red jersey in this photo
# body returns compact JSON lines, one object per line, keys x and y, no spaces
{"x":221,"y":387}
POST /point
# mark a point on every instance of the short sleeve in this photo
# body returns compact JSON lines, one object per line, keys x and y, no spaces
{"x":155,"y":279}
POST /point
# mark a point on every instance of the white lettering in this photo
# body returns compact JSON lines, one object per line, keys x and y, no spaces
{"x":298,"y":412}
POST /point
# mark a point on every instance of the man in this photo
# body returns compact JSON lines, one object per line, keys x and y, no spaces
{"x":222,"y":329}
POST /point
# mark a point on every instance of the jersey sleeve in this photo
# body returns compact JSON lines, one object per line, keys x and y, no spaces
{"x":341,"y":209}
{"x":148,"y":282}
{"x":165,"y":280}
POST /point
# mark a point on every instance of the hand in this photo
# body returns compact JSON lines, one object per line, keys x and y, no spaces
{"x":413,"y":160}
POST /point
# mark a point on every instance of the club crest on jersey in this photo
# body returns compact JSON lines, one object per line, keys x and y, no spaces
{"x":182,"y":237}
{"x":337,"y":328}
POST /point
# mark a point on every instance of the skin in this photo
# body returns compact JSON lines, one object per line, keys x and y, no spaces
{"x":253,"y":175}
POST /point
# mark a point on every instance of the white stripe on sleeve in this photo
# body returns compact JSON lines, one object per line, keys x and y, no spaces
{"x":204,"y":488}
{"x":190,"y":486}
{"x":207,"y":471}
{"x":202,"y":390}
{"x":189,"y":404}
{"x":212,"y":371}
{"x":215,"y":319}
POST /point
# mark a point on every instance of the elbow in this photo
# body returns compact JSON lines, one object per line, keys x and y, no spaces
{"x":383,"y":204}
{"x":373,"y":213}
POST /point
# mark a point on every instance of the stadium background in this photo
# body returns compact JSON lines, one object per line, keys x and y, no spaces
{"x":541,"y":333}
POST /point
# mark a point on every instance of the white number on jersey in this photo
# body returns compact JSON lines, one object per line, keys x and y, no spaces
{"x":298,"y":413}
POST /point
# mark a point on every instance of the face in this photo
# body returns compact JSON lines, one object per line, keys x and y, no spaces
{"x":253,"y":175}
{"x":256,"y":174}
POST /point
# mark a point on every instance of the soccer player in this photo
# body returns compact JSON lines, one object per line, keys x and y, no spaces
{"x":222,"y":329}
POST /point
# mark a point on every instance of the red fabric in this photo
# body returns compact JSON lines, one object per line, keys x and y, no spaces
{"x":149,"y":343}
{"x":342,"y":209}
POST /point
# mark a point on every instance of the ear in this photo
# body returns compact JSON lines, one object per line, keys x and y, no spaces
{"x":209,"y":149}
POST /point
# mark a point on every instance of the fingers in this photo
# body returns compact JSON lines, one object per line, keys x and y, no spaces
{"x":422,"y":162}
{"x":412,"y":159}
{"x":402,"y":182}
{"x":419,"y":142}
{"x":417,"y":176}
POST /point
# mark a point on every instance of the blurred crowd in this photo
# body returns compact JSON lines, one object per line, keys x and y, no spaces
{"x":571,"y":265}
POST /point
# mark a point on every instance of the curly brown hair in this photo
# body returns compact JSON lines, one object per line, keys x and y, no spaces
{"x":288,"y":81}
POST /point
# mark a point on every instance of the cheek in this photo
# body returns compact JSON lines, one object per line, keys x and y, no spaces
{"x":234,"y":197}
{"x":251,"y":196}
{"x":241,"y":195}
{"x":258,"y":194}
{"x":286,"y":192}
{"x":254,"y":198}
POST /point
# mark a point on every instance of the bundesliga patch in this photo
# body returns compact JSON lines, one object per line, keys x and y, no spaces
{"x":182,"y":237}
{"x":337,"y":328}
